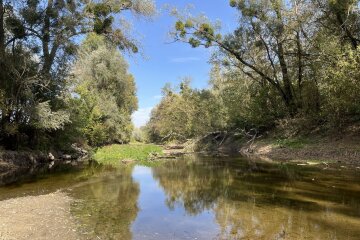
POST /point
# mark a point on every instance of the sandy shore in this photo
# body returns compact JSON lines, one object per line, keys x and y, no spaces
{"x":37,"y":217}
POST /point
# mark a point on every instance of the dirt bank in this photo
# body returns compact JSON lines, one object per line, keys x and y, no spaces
{"x":331,"y":150}
{"x":15,"y":165}
{"x":344,"y":151}
{"x":37,"y":217}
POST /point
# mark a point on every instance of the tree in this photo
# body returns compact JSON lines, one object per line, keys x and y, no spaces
{"x":270,"y":46}
{"x":281,"y":50}
{"x":342,"y":19}
{"x":38,"y":43}
{"x":186,"y":113}
{"x":246,"y":104}
{"x":106,"y":90}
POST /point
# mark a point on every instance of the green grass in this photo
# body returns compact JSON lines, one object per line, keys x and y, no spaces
{"x":113,"y":154}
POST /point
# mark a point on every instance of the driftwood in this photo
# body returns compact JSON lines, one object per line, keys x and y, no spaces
{"x":174,"y":147}
{"x":167,"y":157}
{"x":252,"y":134}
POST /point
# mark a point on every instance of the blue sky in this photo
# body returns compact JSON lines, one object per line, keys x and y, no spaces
{"x":163,"y":62}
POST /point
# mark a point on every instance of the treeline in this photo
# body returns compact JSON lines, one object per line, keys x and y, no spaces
{"x":289,"y":64}
{"x":57,"y":88}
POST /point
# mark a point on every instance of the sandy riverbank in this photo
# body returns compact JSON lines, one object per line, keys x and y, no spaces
{"x":340,"y":152}
{"x":37,"y":217}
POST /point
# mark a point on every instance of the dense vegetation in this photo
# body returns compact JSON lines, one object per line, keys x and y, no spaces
{"x":115,"y":153}
{"x":53,"y":93}
{"x":293,"y":64}
{"x":63,"y":79}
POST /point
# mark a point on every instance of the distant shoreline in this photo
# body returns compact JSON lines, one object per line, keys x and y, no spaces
{"x":327,"y":150}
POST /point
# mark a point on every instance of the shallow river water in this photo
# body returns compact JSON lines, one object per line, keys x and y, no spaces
{"x":207,"y":198}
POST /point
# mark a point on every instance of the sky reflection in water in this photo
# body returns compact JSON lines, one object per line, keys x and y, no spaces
{"x":208,"y":198}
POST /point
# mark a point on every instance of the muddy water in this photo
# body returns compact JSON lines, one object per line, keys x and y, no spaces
{"x":208,"y":198}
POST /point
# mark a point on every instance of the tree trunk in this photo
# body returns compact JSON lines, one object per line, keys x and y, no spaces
{"x":2,"y":32}
{"x":300,"y":67}
{"x":348,"y":34}
{"x":46,"y":40}
{"x":288,"y":93}
{"x":2,"y":62}
{"x":287,"y":86}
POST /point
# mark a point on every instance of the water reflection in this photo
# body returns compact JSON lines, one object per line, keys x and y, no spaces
{"x":107,"y":205}
{"x":207,"y":198}
{"x":264,"y":201}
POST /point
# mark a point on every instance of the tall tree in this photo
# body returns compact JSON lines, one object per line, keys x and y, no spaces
{"x":38,"y":42}
{"x":342,"y":18}
{"x":106,"y":90}
{"x":270,"y":46}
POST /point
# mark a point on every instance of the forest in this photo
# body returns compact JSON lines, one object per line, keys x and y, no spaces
{"x":258,"y":139}
{"x":289,"y":65}
{"x":64,"y":79}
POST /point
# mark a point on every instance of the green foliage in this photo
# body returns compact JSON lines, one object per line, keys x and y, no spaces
{"x":194,"y":42}
{"x":49,"y":120}
{"x":180,"y":26}
{"x":185,"y":114}
{"x":189,"y":24}
{"x":15,"y":26}
{"x":103,"y":19}
{"x":113,"y":154}
{"x":233,"y":3}
{"x":340,"y":89}
{"x":286,"y":62}
{"x":38,"y":44}
{"x":106,"y":90}
{"x":140,"y":135}
{"x":247,"y":104}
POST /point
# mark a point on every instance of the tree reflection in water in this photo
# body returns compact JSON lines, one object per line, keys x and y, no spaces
{"x":253,"y":200}
{"x":109,"y":205}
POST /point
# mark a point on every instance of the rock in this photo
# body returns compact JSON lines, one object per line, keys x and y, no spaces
{"x":51,"y":157}
{"x":66,"y":157}
{"x":32,"y":159}
{"x":51,"y":164}
{"x":173,"y":147}
{"x":79,"y":150}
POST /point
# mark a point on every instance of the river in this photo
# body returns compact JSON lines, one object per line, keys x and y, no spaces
{"x":206,"y":198}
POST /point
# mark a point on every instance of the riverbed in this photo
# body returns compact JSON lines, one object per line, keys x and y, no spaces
{"x":194,"y":197}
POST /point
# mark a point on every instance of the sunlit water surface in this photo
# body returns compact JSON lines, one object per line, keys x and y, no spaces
{"x":208,"y":198}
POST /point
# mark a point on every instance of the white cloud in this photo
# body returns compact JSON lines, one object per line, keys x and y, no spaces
{"x":141,"y":116}
{"x":185,"y":59}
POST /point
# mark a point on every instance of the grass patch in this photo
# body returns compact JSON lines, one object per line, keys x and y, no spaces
{"x":113,"y":154}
